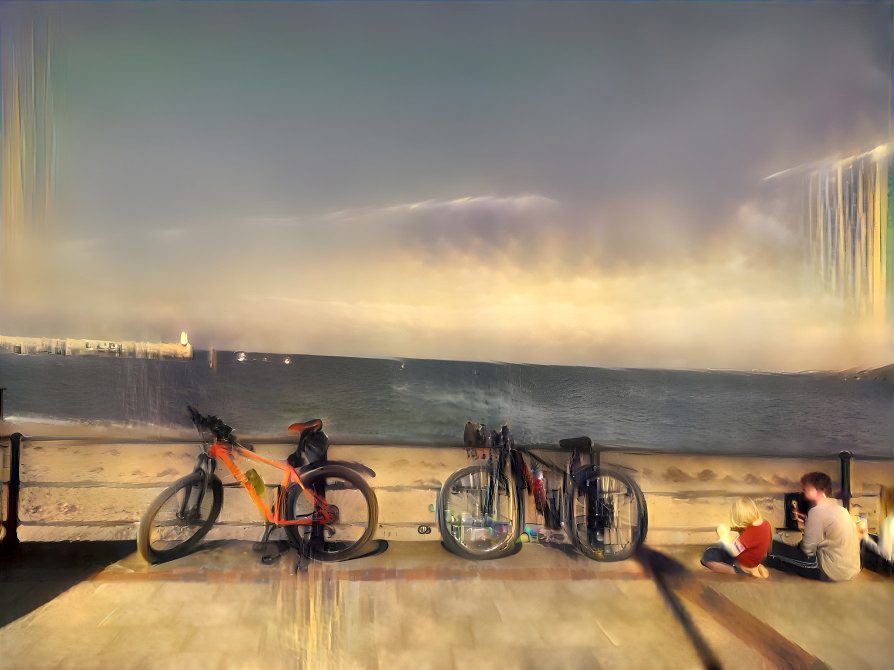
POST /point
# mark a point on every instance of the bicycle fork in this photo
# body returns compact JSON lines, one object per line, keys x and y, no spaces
{"x":191,"y":505}
{"x":599,"y":509}
{"x":496,"y":472}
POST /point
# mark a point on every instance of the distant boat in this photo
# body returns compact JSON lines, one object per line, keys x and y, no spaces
{"x":287,"y":360}
{"x":241,"y":357}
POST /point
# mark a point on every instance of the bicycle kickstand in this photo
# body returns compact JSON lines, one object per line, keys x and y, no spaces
{"x":262,"y":546}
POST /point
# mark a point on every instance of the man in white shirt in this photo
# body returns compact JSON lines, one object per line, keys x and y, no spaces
{"x":830,"y":548}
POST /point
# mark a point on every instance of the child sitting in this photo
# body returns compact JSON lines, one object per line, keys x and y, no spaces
{"x":741,"y":552}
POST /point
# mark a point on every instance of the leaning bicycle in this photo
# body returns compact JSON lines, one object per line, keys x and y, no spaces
{"x":327,"y":509}
{"x":481,"y":508}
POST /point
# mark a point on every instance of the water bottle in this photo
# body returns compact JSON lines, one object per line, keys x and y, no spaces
{"x":256,"y":482}
{"x":467,"y":526}
{"x":454,"y":528}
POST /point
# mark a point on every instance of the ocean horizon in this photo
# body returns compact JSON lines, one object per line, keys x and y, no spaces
{"x":427,"y":402}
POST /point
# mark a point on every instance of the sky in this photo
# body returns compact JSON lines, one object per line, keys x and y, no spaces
{"x":557,"y":183}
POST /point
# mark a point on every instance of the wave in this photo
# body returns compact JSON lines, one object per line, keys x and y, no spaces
{"x":25,"y":418}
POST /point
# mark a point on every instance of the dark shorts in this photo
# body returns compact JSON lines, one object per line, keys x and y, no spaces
{"x":717,"y":553}
{"x":787,"y":558}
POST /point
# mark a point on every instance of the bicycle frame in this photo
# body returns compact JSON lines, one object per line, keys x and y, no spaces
{"x":518,"y":471}
{"x":222,"y":451}
{"x":506,"y":449}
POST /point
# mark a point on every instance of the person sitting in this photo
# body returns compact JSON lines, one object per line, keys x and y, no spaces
{"x":830,"y":547}
{"x":741,"y":553}
{"x":877,"y":552}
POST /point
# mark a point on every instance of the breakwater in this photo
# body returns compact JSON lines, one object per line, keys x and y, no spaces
{"x":74,"y":347}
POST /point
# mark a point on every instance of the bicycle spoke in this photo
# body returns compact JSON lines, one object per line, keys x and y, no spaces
{"x":608,"y":516}
{"x":342,"y":508}
{"x":478,"y":513}
{"x":179,"y":517}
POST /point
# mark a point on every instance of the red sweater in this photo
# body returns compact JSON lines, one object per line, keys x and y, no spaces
{"x":755,"y":543}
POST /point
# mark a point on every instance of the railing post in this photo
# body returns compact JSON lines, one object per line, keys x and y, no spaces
{"x":845,"y":457}
{"x":11,"y":539}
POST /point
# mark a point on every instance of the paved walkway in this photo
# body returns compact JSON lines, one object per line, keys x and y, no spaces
{"x":97,"y":605}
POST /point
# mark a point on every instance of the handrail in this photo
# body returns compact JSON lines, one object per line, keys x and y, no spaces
{"x":343,"y":441}
{"x":654,"y":451}
{"x":174,"y":439}
{"x":11,"y":523}
{"x":17,"y":442}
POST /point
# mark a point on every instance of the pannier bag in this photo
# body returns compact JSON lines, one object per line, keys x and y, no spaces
{"x":311,"y":448}
{"x":315,"y":446}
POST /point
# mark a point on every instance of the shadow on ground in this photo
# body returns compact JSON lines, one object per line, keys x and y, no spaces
{"x":33,"y":573}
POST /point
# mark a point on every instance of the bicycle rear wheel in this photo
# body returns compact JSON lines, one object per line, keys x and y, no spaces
{"x":354,"y":506}
{"x":607,"y":517}
{"x":478,"y":519}
{"x":179,"y":518}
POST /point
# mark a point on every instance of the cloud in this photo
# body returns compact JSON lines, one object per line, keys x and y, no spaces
{"x":711,"y":316}
{"x":479,"y":229}
{"x":538,"y":233}
{"x":470,"y":213}
{"x":581,"y":178}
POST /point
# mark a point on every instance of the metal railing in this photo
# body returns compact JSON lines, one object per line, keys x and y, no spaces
{"x":11,"y":491}
{"x":12,"y":486}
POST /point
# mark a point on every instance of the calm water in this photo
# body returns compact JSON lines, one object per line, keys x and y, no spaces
{"x":428,"y":402}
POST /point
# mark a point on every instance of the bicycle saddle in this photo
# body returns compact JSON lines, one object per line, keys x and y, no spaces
{"x":314,"y":424}
{"x":576,"y":443}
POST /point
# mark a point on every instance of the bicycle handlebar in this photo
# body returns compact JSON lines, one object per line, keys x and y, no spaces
{"x":214,"y":425}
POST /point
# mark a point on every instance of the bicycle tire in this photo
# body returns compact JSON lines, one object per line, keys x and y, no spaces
{"x":356,"y":505}
{"x":164,"y":532}
{"x":466,"y":528}
{"x":606,"y":515}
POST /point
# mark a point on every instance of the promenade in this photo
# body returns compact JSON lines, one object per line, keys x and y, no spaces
{"x":98,"y":605}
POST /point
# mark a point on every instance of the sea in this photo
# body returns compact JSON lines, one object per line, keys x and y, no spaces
{"x":427,"y":402}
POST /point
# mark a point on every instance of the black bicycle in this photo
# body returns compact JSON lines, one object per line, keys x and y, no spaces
{"x":481,"y":510}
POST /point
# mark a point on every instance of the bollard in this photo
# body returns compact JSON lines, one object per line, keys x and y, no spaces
{"x":845,"y":457}
{"x":11,"y":539}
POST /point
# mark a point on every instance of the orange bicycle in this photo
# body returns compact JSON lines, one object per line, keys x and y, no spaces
{"x":327,"y":509}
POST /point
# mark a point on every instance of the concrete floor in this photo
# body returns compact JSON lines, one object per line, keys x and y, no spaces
{"x":98,"y":605}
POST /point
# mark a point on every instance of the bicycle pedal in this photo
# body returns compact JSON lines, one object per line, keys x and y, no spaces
{"x":270,"y":559}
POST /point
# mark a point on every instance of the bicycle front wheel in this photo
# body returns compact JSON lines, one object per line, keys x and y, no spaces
{"x":350,"y":501}
{"x":179,"y":518}
{"x":607,"y":518}
{"x":479,"y":514}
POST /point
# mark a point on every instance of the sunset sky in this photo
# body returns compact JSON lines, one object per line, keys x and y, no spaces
{"x":573,"y":183}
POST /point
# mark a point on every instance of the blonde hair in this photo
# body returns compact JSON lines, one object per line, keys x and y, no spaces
{"x":744,"y":513}
{"x":887,"y":496}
